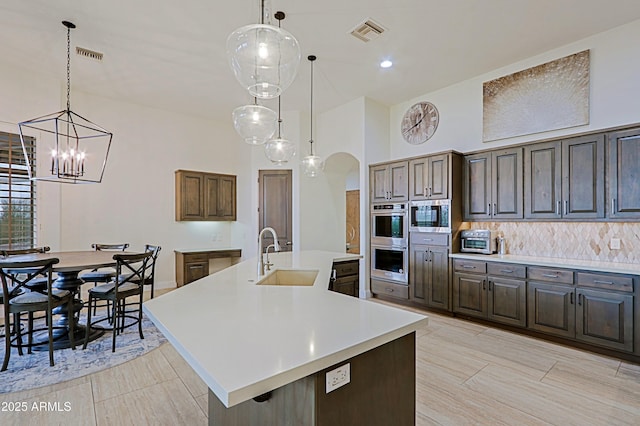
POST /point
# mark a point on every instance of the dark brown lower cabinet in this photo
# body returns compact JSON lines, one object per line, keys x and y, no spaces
{"x":346,"y":277}
{"x":381,"y":391}
{"x":429,"y":276}
{"x":551,"y":309}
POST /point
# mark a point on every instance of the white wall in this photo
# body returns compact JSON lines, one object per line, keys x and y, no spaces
{"x":614,"y":84}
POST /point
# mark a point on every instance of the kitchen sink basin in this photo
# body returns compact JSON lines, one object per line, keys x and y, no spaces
{"x":290,"y":277}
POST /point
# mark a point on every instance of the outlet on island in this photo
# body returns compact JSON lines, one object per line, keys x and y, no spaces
{"x":338,"y":377}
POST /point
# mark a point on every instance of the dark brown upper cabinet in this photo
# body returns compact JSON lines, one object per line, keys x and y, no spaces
{"x":202,"y":196}
{"x":623,"y":196}
{"x":565,"y":179}
{"x":493,"y":185}
{"x":429,"y":178}
{"x":389,"y":182}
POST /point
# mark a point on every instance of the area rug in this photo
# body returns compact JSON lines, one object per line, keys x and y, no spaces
{"x":32,"y":370}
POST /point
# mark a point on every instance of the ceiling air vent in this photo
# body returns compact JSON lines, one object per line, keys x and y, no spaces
{"x":367,"y":30}
{"x":86,"y":53}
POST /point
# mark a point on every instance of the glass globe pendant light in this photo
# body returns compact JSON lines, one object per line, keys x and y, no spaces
{"x":312,"y":165}
{"x":279,"y":150}
{"x":254,"y":123}
{"x":264,"y":58}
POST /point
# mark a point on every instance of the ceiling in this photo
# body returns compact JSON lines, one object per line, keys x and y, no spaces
{"x":171,"y":55}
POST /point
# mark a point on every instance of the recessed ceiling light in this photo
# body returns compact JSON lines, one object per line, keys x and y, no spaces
{"x":386,"y":64}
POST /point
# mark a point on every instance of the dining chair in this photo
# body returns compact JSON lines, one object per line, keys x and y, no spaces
{"x":150,"y":273}
{"x":15,"y":276}
{"x":128,"y":282}
{"x":38,"y":283}
{"x":103,"y":275}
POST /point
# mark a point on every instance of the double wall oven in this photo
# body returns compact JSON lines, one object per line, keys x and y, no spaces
{"x":389,"y":242}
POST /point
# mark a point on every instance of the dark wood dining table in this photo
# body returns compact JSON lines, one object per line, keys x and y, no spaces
{"x":68,"y":270}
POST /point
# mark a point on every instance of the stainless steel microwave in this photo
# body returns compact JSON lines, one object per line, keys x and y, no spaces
{"x":481,"y":241}
{"x":430,"y":216}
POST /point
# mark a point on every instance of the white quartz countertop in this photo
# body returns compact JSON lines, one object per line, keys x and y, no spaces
{"x":245,"y":339}
{"x":555,"y":262}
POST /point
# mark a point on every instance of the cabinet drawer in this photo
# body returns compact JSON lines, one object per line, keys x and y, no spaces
{"x":429,"y":239}
{"x":605,"y":281}
{"x":346,"y":268}
{"x":563,"y":276}
{"x":196,"y":258}
{"x":390,"y":289}
{"x":507,"y":270}
{"x":470,"y":266}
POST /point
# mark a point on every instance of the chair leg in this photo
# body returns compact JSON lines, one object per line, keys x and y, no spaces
{"x":140,"y":315}
{"x":50,"y":329}
{"x":18,"y":330}
{"x":29,"y":331}
{"x":7,"y":344}
{"x":88,"y":330}
{"x":114,"y":327}
{"x":72,"y":326}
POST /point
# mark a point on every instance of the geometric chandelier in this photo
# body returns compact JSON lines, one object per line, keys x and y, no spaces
{"x":79,"y":147}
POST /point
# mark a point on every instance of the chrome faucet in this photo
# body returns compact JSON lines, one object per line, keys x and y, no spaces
{"x":276,"y":247}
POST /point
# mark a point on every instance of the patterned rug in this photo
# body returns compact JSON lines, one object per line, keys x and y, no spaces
{"x":32,"y":370}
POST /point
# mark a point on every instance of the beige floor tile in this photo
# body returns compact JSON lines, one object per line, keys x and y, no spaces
{"x":72,"y":405}
{"x":203,"y":402}
{"x":44,"y":389}
{"x":192,"y":381}
{"x":147,"y":370}
{"x":167,"y":403}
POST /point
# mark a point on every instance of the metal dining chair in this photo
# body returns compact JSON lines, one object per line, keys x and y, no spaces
{"x":16,"y":275}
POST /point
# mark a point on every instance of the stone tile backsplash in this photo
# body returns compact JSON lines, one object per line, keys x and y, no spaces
{"x":569,"y":240}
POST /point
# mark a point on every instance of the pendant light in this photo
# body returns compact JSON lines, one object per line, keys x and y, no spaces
{"x":79,"y":148}
{"x":279,"y":150}
{"x":264,"y":58}
{"x":254,"y":123}
{"x":312,"y":164}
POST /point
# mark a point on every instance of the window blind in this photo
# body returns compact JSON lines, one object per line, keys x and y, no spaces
{"x":17,"y":193}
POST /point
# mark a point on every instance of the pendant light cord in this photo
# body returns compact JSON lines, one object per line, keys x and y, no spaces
{"x":68,"y":68}
{"x":311,"y":58}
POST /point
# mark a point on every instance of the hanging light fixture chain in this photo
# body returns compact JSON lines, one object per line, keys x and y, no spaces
{"x":68,"y":68}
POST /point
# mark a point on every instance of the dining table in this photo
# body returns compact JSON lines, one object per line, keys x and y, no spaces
{"x":70,"y":264}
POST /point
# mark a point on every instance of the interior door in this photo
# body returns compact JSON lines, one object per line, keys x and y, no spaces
{"x":275,"y":206}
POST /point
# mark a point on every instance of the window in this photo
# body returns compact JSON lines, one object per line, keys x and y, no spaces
{"x":17,"y":193}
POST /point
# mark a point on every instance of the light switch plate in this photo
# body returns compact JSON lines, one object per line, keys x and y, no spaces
{"x":614,"y":244}
{"x":338,"y":377}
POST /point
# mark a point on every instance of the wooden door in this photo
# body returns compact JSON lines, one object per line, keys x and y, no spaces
{"x":438,"y":177}
{"x":438,"y":282}
{"x":507,"y":301}
{"x":353,"y":221}
{"x":189,"y":195}
{"x":551,"y":309}
{"x":583,"y":177}
{"x":398,"y":181}
{"x":417,"y":179}
{"x":275,"y":206}
{"x":469,"y":295}
{"x":211,"y":196}
{"x":543,"y":181}
{"x":605,"y":319}
{"x":623,"y":200}
{"x":477,"y":186}
{"x":378,"y":183}
{"x":418,"y":273}
{"x":226,"y":197}
{"x":506,"y":184}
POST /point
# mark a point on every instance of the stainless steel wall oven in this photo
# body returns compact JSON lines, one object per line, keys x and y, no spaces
{"x":389,"y":224}
{"x":390,"y":263}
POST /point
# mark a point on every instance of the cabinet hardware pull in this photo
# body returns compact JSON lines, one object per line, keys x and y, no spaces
{"x":506,"y":271}
{"x":484,"y":284}
{"x":388,"y":289}
{"x":430,"y":193}
{"x":425,"y":192}
{"x":558,"y":208}
{"x":566,"y":207}
{"x":613,"y":205}
{"x":489,"y":209}
{"x":427,"y":239}
{"x":468,"y":267}
{"x":550,"y":275}
{"x":494,"y":209}
{"x":580,"y":299}
{"x":489,"y":285}
{"x":571,"y":298}
{"x":195,"y":267}
{"x":603,"y":282}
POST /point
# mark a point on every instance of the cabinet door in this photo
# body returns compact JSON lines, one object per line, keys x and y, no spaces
{"x":506,"y":184}
{"x":543,"y":181}
{"x":418,"y":274}
{"x":211,"y":196}
{"x":507,"y":301}
{"x":226,"y":197}
{"x":624,"y":175}
{"x":194,"y":270}
{"x":438,"y":177}
{"x":469,"y":295}
{"x":398,"y":177}
{"x":189,"y":196}
{"x":378,"y":183}
{"x":418,"y":187}
{"x":438,"y":282}
{"x":477,"y":186}
{"x":346,"y":285}
{"x":605,"y":319}
{"x":583,"y":177}
{"x":551,"y":309}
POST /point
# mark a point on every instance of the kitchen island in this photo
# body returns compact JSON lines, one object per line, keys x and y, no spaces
{"x":281,"y":344}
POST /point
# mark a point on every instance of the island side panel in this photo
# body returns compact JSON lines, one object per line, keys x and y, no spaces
{"x":381,"y":391}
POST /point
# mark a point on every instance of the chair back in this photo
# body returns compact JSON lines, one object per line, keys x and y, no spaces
{"x":110,"y":247}
{"x":20,"y":273}
{"x":130,"y":268}
{"x":16,"y":252}
{"x":151,"y":265}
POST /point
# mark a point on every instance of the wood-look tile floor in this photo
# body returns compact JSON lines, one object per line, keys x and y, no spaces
{"x":466,"y":374}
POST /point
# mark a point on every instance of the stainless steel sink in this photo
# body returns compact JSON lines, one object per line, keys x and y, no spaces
{"x":290,"y":277}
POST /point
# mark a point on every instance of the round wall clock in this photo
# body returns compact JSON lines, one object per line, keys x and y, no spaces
{"x":419,"y":123}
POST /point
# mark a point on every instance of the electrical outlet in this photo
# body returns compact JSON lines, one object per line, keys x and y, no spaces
{"x":338,"y":377}
{"x":614,"y":244}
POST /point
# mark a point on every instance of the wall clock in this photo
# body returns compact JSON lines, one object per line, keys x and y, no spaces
{"x":419,"y":123}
